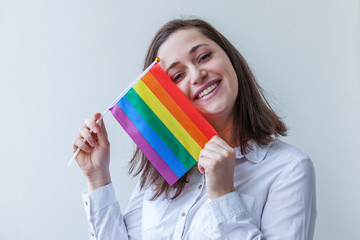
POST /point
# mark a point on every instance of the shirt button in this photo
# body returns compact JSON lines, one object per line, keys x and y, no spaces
{"x":92,"y":234}
{"x":200,"y":186}
{"x":183,"y":214}
{"x":86,"y":203}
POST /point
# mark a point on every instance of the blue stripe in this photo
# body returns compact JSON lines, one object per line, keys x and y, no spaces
{"x":153,"y":139}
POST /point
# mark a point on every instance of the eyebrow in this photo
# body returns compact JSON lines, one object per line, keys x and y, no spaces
{"x":192,"y":50}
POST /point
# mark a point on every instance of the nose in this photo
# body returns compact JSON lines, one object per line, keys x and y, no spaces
{"x":198,"y":76}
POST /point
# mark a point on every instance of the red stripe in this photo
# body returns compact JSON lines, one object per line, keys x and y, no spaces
{"x":174,"y":109}
{"x":183,"y":102}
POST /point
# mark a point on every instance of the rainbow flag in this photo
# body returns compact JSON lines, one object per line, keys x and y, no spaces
{"x":163,"y":123}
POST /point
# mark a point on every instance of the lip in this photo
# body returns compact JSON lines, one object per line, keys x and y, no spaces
{"x":208,"y":84}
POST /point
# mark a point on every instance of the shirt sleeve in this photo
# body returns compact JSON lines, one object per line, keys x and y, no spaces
{"x":290,"y":210}
{"x":105,"y":220}
{"x":231,"y":220}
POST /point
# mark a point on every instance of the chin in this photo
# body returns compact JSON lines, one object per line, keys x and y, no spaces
{"x":211,"y":114}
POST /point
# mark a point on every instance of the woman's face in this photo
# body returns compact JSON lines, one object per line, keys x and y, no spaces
{"x":203,"y":72}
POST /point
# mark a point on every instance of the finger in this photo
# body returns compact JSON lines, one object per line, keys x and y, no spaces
{"x":218,"y":151}
{"x":217,"y":143}
{"x":74,"y":147}
{"x":91,"y":124}
{"x":102,"y":133}
{"x":97,"y":116}
{"x":204,"y":164}
{"x":201,"y":168}
{"x":101,"y":124}
{"x":85,"y":133}
{"x":213,"y":146}
{"x":205,"y":160}
{"x":208,"y":153}
{"x":79,"y":143}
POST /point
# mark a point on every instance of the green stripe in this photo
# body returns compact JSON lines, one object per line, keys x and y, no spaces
{"x":161,"y":130}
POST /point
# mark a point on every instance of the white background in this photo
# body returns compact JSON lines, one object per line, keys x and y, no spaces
{"x":61,"y":61}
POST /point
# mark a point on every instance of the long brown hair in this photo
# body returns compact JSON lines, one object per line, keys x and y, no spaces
{"x":254,"y":118}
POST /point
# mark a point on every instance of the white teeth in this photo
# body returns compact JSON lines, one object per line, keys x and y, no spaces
{"x":208,"y":90}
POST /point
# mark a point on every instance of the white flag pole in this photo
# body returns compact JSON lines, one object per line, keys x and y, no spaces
{"x":114,"y":102}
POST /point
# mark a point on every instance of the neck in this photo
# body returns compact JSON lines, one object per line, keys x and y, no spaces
{"x":225,"y":129}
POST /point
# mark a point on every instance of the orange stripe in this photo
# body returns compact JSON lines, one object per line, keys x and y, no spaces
{"x":174,"y":109}
{"x":182,"y":101}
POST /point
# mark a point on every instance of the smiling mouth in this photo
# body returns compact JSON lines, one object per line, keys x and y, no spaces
{"x":207,"y":90}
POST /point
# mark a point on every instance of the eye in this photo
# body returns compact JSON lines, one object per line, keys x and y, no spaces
{"x":204,"y":57}
{"x":178,"y":76}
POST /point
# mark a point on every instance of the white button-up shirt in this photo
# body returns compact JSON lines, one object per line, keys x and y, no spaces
{"x":274,"y":199}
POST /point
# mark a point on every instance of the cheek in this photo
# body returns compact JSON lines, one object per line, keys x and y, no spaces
{"x":235,"y":86}
{"x":233,"y":81}
{"x":184,"y":88}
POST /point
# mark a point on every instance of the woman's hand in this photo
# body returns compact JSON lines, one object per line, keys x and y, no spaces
{"x":94,"y":157}
{"x":217,"y":161}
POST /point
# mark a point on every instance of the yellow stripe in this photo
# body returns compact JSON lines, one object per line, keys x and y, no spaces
{"x":168,"y":119}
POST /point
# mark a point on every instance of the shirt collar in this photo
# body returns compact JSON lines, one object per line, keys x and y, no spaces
{"x":256,"y":154}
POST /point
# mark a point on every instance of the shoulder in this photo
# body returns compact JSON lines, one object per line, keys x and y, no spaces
{"x":276,"y":152}
{"x":287,"y":152}
{"x":291,"y":159}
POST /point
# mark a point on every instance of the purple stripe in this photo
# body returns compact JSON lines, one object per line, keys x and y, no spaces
{"x":145,"y":147}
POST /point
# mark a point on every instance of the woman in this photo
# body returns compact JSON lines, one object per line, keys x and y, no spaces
{"x":247,"y":183}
